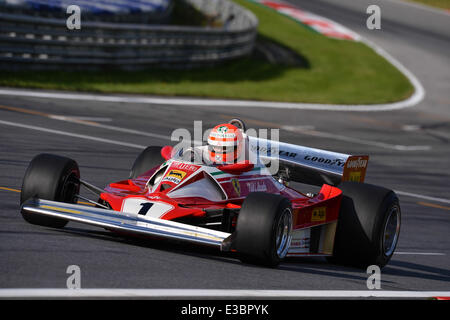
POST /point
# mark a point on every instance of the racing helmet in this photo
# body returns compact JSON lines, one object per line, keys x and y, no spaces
{"x":225,"y":143}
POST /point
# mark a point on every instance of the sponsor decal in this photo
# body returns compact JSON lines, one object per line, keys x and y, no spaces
{"x":319,"y":214}
{"x":256,"y":187}
{"x":185,"y":166}
{"x":357,"y":163}
{"x":355,"y":168}
{"x":287,"y":154}
{"x":175,"y":176}
{"x":300,"y":243}
{"x":269,"y":151}
{"x":236,"y":186}
{"x":330,"y":162}
{"x":152,"y":197}
{"x":222,"y":135}
{"x":222,"y":129}
{"x":355,"y":176}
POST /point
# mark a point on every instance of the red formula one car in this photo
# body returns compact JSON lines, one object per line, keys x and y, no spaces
{"x":240,"y":206}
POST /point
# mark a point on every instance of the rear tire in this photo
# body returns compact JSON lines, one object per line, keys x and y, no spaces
{"x":147,"y":159}
{"x":264,"y":229}
{"x":368,"y":226}
{"x":50,"y":177}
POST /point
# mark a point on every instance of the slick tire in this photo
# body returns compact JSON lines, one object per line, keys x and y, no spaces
{"x":368,"y":226}
{"x":147,"y":159}
{"x":50,"y":177}
{"x":264,"y":229}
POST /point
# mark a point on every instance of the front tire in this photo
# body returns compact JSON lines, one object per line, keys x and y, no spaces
{"x":264,"y":229}
{"x":50,"y":177}
{"x":368,"y":227}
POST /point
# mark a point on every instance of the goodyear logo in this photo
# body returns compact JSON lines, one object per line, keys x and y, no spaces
{"x":357,"y":163}
{"x":175,"y":176}
{"x":236,"y":186}
{"x":319,"y":214}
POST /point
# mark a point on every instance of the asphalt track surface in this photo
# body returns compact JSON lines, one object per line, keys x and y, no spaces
{"x":37,"y":257}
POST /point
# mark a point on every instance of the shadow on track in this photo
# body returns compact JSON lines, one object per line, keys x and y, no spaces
{"x":312,"y":266}
{"x":415,"y":270}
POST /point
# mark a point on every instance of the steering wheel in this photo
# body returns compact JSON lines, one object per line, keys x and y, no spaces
{"x":238,"y":123}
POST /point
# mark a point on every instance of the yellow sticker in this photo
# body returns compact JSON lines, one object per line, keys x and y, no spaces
{"x":355,"y":176}
{"x":175,"y":176}
{"x":319,"y":214}
{"x":60,"y":209}
{"x":236,"y":186}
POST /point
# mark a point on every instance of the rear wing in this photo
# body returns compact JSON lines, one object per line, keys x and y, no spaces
{"x":309,"y":165}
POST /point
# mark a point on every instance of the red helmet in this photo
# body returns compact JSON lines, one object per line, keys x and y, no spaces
{"x":225,"y":143}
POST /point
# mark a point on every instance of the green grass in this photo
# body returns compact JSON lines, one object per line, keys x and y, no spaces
{"x":442,"y":4}
{"x":341,"y":72}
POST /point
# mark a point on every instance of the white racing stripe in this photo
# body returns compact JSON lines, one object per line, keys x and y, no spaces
{"x":212,"y":293}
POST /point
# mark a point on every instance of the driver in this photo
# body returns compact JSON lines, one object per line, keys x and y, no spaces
{"x":225,"y":144}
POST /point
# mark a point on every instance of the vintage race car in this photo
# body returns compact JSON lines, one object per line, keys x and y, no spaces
{"x":241,"y":207}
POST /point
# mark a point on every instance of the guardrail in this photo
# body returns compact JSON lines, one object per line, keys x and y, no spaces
{"x":131,"y":11}
{"x":31,"y":42}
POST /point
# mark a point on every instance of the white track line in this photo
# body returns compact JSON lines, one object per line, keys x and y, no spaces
{"x":97,"y":119}
{"x":354,"y":140}
{"x":307,"y":130}
{"x":212,"y":293}
{"x":420,"y":196}
{"x":420,"y":253}
{"x":420,"y":6}
{"x":75,"y":135}
{"x":109,"y":127}
{"x":193,"y":102}
{"x":419,"y":91}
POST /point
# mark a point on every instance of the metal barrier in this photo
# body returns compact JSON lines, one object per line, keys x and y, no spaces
{"x":131,"y":11}
{"x":32,"y":42}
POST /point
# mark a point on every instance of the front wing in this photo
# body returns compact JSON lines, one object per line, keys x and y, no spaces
{"x":129,"y":223}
